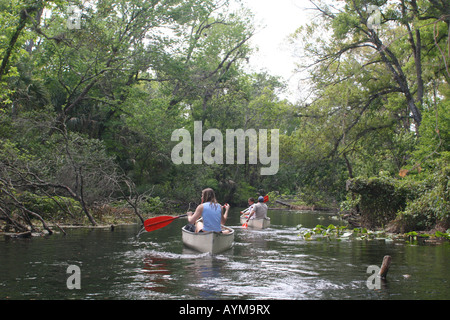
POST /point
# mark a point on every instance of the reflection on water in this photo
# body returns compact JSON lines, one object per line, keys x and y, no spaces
{"x":274,"y":263}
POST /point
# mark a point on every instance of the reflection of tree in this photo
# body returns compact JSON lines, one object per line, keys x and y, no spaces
{"x":156,"y":268}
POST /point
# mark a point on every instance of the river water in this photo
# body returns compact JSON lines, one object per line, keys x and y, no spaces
{"x":263,"y":264}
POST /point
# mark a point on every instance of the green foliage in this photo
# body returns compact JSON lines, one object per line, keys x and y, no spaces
{"x":53,"y":208}
{"x":434,"y":131}
{"x":87,"y":113}
{"x":414,"y":237}
{"x":380,"y":198}
{"x":417,"y":202}
{"x":431,"y":207}
{"x":153,"y":205}
{"x":339,"y":233}
{"x":243,"y":192}
{"x":350,"y":203}
{"x":376,"y":110}
{"x":342,"y":233}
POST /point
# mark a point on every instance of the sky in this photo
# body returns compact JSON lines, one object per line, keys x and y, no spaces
{"x":278,"y":20}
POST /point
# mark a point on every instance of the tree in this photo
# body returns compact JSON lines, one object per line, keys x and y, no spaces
{"x":383,"y":46}
{"x":81,"y":101}
{"x":372,"y":84}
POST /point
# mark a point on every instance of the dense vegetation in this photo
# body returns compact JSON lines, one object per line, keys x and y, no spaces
{"x":87,"y":113}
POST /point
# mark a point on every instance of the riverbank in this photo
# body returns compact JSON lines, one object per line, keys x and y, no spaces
{"x":106,"y":217}
{"x":111,"y":219}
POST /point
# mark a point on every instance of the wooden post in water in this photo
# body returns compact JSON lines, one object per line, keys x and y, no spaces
{"x":385,"y":267}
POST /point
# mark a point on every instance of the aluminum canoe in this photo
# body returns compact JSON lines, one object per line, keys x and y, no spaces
{"x":212,"y":242}
{"x":256,"y":223}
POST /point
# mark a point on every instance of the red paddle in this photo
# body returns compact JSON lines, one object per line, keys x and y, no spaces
{"x":156,"y":223}
{"x":245,"y":225}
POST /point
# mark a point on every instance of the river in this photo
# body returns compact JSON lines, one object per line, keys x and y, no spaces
{"x":263,"y":264}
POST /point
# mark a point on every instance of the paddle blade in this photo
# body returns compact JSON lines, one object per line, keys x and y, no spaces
{"x":156,"y":223}
{"x":266,"y":198}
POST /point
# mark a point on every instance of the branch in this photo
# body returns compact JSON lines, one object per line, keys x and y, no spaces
{"x":24,"y":14}
{"x":241,"y":43}
{"x":366,"y":106}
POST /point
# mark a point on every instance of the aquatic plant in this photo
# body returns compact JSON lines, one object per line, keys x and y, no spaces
{"x":339,"y":233}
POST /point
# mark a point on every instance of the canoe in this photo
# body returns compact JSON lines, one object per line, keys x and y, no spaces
{"x":212,"y":242}
{"x":256,"y":223}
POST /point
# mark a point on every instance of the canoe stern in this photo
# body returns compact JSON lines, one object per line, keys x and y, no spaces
{"x":212,"y":242}
{"x":256,"y":223}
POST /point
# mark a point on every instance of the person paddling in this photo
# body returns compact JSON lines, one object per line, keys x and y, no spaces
{"x":251,"y":203}
{"x":259,"y":210}
{"x":212,"y":213}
